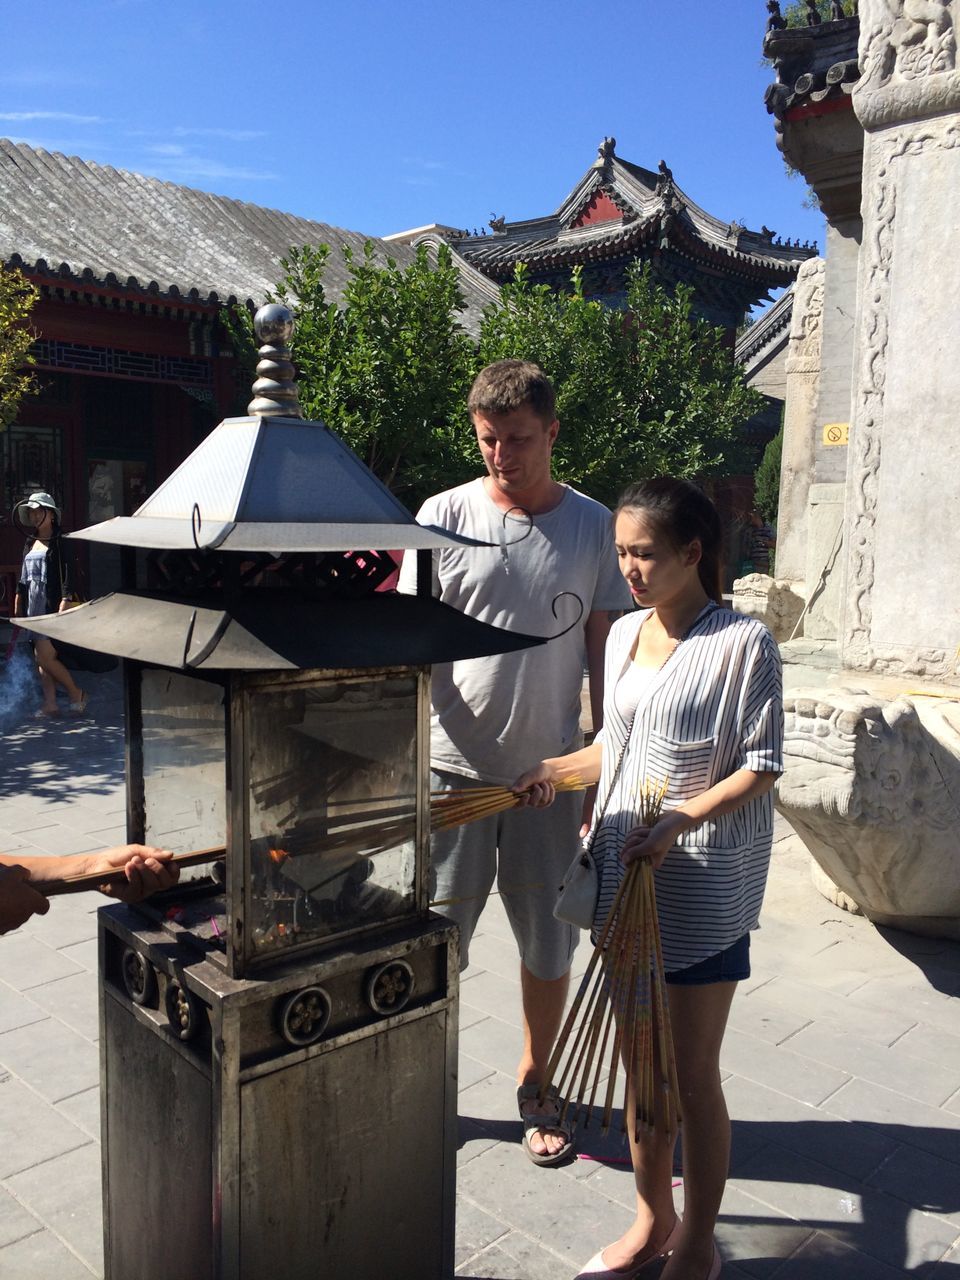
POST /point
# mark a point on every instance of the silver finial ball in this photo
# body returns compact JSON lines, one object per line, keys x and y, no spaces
{"x":274,"y":324}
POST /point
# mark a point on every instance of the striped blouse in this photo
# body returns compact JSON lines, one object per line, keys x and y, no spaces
{"x":714,"y":707}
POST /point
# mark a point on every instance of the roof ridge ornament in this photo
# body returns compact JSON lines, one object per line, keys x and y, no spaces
{"x":605,"y":153}
{"x":776,"y":21}
{"x":275,"y":390}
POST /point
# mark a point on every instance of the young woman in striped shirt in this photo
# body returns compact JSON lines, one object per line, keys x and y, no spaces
{"x":693,"y":695}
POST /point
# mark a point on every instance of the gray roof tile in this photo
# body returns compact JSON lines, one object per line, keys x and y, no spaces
{"x":62,"y":215}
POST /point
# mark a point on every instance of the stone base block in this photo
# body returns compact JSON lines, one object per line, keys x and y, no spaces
{"x":927,"y":926}
{"x":774,"y":601}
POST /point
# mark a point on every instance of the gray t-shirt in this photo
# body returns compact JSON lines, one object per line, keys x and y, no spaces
{"x":495,"y":717}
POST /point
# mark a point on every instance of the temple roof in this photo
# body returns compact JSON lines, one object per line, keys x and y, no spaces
{"x":618,"y":208}
{"x":767,"y":335}
{"x":812,"y":63}
{"x":65,"y":218}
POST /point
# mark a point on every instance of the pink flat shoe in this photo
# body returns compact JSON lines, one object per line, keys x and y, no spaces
{"x":716,"y":1266}
{"x":597,"y":1269}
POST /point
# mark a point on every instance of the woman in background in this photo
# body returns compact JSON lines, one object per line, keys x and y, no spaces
{"x":693,"y":696}
{"x":45,"y":588}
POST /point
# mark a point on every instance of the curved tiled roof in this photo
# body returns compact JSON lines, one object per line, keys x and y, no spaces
{"x":767,"y":331}
{"x":61,"y":216}
{"x":812,"y":63}
{"x":653,"y":210}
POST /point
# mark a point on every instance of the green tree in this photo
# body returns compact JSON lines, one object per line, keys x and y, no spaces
{"x":388,"y":369}
{"x":796,"y":13}
{"x":652,"y":390}
{"x":767,"y":479}
{"x":17,"y":300}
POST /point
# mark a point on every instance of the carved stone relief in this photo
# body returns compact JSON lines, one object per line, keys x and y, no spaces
{"x":806,"y":321}
{"x":884,"y":154}
{"x":802,"y":373}
{"x":908,"y":60}
{"x":872,"y":786}
{"x":773,"y":600}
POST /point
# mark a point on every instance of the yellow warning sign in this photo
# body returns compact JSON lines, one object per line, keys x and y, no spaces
{"x":836,"y":433}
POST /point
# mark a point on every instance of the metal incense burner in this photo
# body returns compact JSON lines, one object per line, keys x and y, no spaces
{"x":278,"y":1034}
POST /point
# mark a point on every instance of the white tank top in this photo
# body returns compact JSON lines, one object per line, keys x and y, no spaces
{"x":631,"y":687}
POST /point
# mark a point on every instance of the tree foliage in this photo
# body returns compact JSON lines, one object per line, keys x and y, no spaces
{"x":767,"y":479}
{"x":389,"y":368}
{"x":650,"y":391}
{"x":17,"y":300}
{"x":796,"y":13}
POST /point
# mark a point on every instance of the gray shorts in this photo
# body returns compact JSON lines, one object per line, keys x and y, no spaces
{"x":527,"y":852}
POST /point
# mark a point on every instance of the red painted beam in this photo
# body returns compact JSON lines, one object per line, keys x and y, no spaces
{"x":810,"y":110}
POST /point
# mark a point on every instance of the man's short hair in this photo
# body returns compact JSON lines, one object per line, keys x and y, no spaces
{"x":510,"y":384}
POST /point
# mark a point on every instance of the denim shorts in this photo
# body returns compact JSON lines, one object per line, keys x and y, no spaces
{"x":731,"y":965}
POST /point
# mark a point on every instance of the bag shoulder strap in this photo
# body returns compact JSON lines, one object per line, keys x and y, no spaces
{"x":613,"y":782}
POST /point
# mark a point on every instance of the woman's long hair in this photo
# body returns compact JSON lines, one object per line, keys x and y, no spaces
{"x":681,"y":512}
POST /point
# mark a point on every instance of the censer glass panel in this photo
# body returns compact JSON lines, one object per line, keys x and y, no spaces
{"x":332,"y":776}
{"x":184,"y":772}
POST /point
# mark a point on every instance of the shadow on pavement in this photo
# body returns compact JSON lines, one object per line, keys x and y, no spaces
{"x":62,"y":758}
{"x":877,"y":1174}
{"x":937,"y":958}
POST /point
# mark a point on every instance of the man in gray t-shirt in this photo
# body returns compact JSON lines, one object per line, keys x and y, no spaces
{"x":493,"y":716}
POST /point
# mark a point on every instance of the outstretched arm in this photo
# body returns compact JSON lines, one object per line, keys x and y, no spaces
{"x":18,"y":901}
{"x":22,"y":877}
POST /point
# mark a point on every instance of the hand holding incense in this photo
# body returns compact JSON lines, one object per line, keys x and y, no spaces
{"x":620,"y":1014}
{"x":88,"y":880}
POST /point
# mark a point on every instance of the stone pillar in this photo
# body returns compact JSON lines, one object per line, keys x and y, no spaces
{"x":824,"y":546}
{"x":902,"y":559}
{"x":834,"y":398}
{"x":824,"y":561}
{"x":799,"y":422}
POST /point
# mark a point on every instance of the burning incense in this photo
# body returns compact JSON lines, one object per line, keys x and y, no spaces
{"x":620,"y":1014}
{"x":360,"y":834}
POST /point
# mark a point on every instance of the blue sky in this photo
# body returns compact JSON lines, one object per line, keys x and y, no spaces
{"x":379,"y":117}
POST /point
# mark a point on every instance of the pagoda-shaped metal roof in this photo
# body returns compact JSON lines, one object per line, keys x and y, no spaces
{"x":269,"y":485}
{"x":278,"y":631}
{"x":270,"y":482}
{"x":263,"y":486}
{"x":618,"y":207}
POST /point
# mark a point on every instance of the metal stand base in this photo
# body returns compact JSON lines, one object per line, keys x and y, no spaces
{"x":233,"y":1152}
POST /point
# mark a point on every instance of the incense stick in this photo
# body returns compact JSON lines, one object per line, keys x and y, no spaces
{"x":363,"y":833}
{"x":94,"y":879}
{"x":623,"y":988}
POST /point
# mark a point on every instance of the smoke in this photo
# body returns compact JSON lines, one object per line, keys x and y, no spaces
{"x":18,"y":684}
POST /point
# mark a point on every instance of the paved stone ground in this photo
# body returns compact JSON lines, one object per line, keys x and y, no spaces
{"x":842,"y":1069}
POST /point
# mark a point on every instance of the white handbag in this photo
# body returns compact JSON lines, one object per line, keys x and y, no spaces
{"x":577,"y":896}
{"x":577,"y":899}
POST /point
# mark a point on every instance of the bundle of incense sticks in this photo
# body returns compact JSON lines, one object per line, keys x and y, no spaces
{"x":382,"y":825}
{"x":620,"y":1013}
{"x":361,"y":833}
